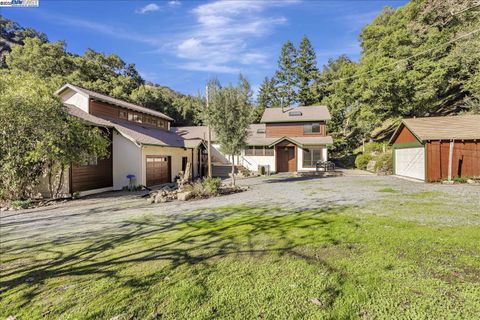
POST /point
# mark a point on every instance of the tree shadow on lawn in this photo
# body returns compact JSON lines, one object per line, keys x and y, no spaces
{"x":194,"y":240}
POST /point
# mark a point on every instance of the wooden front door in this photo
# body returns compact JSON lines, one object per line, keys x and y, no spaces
{"x":286,"y":159}
{"x":158,"y":170}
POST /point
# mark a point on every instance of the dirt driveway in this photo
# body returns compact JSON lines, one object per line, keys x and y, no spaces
{"x":91,"y":215}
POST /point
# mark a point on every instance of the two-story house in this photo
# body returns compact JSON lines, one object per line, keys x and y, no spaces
{"x":286,"y":140}
{"x":143,"y":149}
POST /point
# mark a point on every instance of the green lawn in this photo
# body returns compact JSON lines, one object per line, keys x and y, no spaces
{"x":411,"y":258}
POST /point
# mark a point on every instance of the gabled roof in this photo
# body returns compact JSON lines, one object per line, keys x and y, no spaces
{"x":101,"y":97}
{"x":194,"y":132}
{"x":303,"y":141}
{"x":137,"y":133}
{"x":298,"y":114}
{"x":465,"y":127}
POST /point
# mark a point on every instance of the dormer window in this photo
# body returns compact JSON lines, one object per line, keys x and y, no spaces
{"x":295,"y":113}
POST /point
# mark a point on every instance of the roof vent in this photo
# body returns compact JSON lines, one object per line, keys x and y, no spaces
{"x":260,"y":130}
{"x":295,"y":113}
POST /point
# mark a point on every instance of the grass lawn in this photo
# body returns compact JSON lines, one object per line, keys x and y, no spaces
{"x":416,"y":257}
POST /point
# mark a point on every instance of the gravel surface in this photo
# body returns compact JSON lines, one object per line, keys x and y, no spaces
{"x":283,"y":192}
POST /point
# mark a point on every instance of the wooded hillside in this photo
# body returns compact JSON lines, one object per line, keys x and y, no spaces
{"x":422,"y":59}
{"x":30,"y":51}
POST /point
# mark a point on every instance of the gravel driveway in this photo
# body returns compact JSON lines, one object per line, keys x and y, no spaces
{"x":110,"y":211}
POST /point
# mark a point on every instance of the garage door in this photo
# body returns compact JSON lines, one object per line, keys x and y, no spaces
{"x":410,"y":162}
{"x":158,"y":170}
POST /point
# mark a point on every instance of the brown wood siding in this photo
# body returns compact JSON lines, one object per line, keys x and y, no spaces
{"x":102,"y":109}
{"x":465,"y":162}
{"x":405,"y":136}
{"x":92,"y":177}
{"x":292,"y":130}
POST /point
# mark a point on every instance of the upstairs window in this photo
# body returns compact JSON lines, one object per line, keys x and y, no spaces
{"x":123,"y":115}
{"x":311,"y":128}
{"x":135,"y":118}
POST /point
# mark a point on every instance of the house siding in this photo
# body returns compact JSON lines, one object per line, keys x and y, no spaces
{"x":465,"y":162}
{"x":405,"y":136}
{"x":102,"y":109}
{"x":176,"y":155}
{"x":274,"y":130}
{"x":127,"y":157}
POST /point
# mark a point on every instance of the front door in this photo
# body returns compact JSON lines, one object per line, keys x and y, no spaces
{"x":286,"y":160}
{"x":158,"y":170}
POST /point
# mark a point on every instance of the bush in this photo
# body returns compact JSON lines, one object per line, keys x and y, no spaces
{"x":212,"y":185}
{"x":22,"y":204}
{"x":208,"y":187}
{"x":384,"y":163}
{"x":362,"y":160}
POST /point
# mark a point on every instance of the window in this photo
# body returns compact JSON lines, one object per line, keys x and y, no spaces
{"x":260,"y":130}
{"x":249,"y":151}
{"x":269,"y":151}
{"x":311,"y":128}
{"x":258,"y":151}
{"x":123,"y":115}
{"x":93,"y":161}
{"x":295,"y":113}
{"x":135,"y":118}
{"x":311,"y":156}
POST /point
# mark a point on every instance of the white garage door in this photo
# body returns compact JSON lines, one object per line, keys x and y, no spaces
{"x":410,"y":162}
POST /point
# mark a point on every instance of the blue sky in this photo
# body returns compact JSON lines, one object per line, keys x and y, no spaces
{"x":182,"y":44}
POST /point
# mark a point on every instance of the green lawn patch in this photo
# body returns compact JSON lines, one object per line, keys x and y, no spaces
{"x":251,"y":263}
{"x":387,"y":190}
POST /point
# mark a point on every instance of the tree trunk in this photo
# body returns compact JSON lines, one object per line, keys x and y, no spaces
{"x":60,"y":182}
{"x":50,"y":182}
{"x":233,"y":174}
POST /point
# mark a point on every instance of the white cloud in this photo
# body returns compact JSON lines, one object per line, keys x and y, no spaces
{"x":174,"y":3}
{"x":221,"y":38}
{"x":151,"y":7}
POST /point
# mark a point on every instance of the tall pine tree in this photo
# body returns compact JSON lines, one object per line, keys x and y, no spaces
{"x":267,"y":94}
{"x":286,"y":75}
{"x":307,"y":73}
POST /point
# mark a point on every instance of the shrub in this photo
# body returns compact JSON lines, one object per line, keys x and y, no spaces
{"x":362,"y":160}
{"x":384,"y":163}
{"x":212,"y":185}
{"x":208,"y":187}
{"x":22,"y":204}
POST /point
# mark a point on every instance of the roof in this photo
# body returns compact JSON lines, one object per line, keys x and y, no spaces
{"x":136,"y":132}
{"x":194,"y":132}
{"x":310,"y":113}
{"x":256,"y":136}
{"x":465,"y":127}
{"x":111,"y":100}
{"x":304,"y":141}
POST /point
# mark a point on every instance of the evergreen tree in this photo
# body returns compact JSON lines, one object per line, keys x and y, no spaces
{"x":307,"y":72}
{"x":286,"y":75}
{"x":267,"y":94}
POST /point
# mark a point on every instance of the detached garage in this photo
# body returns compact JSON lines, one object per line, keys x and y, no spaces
{"x":437,"y":148}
